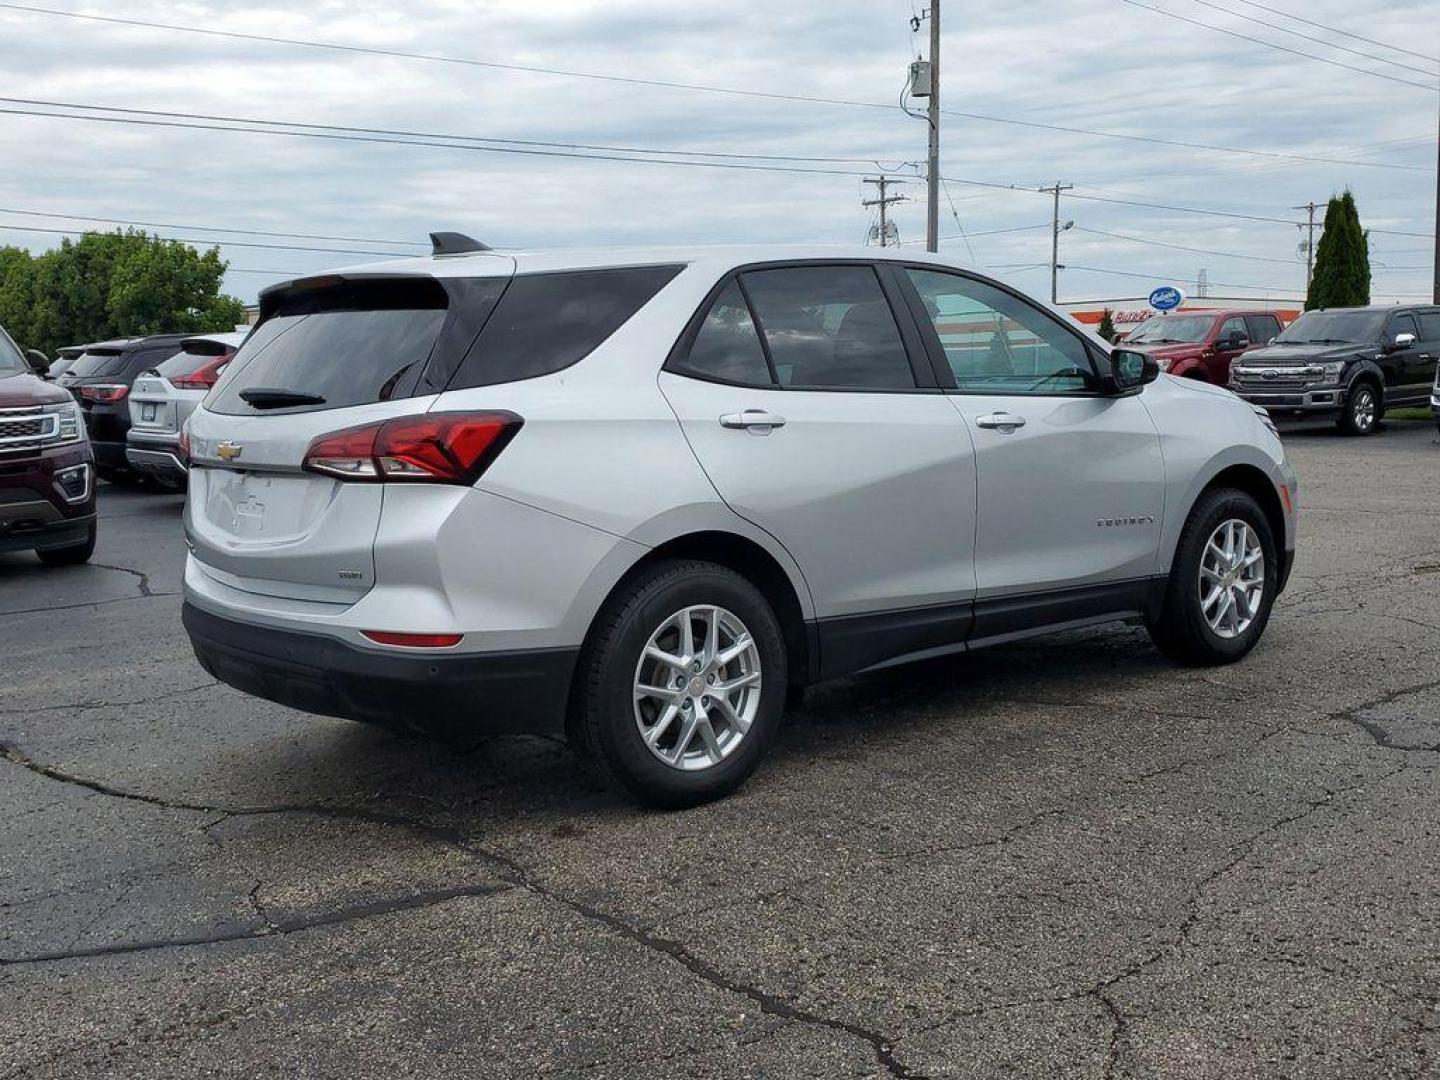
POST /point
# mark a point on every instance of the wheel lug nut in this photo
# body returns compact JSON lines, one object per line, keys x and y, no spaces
{"x":696,"y":667}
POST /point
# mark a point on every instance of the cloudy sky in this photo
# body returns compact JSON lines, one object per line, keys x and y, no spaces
{"x":1114,"y":66}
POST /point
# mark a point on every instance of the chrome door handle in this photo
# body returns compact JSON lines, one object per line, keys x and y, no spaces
{"x":752,"y":418}
{"x":1001,"y":420}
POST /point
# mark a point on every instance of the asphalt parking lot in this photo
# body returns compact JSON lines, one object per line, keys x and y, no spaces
{"x":1063,"y":859}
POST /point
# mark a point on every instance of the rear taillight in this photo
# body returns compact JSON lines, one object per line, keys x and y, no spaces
{"x":104,"y":393}
{"x":203,"y":378}
{"x":441,"y":448}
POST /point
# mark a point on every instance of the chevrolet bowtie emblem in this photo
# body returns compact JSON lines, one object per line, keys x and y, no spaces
{"x":227,"y":450}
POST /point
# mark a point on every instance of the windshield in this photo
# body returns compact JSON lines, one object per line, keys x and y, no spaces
{"x":1162,"y":329}
{"x":1338,"y":327}
{"x":11,"y":361}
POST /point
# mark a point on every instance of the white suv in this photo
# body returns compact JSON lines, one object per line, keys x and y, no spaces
{"x":648,"y":494}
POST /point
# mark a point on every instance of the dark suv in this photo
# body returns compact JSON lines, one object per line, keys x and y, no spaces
{"x":1352,"y":363}
{"x":100,"y":380}
{"x":1203,"y":344}
{"x":47,"y":475}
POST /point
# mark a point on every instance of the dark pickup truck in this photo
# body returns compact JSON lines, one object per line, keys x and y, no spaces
{"x":47,"y":473}
{"x":1350,"y":363}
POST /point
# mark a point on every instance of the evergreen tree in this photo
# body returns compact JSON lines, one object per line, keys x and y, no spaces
{"x":1342,"y":259}
{"x":1106,"y":329}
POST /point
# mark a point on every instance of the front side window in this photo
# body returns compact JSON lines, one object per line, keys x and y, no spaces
{"x":1403,"y":324}
{"x":727,"y":346}
{"x":1233,"y":326}
{"x":829,"y":327}
{"x":996,"y":343}
{"x":11,"y":361}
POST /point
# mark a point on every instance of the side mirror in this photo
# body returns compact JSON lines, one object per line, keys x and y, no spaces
{"x":37,"y":360}
{"x":1402,"y":341}
{"x":1131,"y":369}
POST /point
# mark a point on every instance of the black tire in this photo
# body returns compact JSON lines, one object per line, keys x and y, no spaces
{"x":1364,"y":405}
{"x":73,"y":555}
{"x":602,"y":723}
{"x":1181,"y":631}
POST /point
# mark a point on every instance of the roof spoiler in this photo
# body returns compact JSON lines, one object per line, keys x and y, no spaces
{"x":454,"y":243}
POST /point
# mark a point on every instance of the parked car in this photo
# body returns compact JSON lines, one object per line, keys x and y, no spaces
{"x":1352,"y":363}
{"x":100,"y":380}
{"x":64,"y":358}
{"x":47,"y":475}
{"x":1435,"y":398}
{"x":162,"y":399}
{"x":1203,"y":344}
{"x":650,"y":494}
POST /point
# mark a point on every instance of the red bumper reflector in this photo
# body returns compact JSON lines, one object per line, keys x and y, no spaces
{"x":414,"y":641}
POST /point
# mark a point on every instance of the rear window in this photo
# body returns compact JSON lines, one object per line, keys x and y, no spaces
{"x":353,"y":343}
{"x":1430,"y":326}
{"x":98,"y":362}
{"x":546,"y":322}
{"x":192,"y":358}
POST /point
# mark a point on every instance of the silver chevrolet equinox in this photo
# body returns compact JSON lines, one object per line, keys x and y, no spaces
{"x":649,"y":495}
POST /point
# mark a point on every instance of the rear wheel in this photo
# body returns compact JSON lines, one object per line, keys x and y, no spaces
{"x":1362,"y":409}
{"x":681,"y":685}
{"x":1222,"y":583}
{"x":73,"y":555}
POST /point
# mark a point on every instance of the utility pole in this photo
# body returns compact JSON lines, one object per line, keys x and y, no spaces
{"x":932,"y":206}
{"x":883,"y":201}
{"x":1435,"y":269}
{"x":1055,"y":231}
{"x":1310,"y":244}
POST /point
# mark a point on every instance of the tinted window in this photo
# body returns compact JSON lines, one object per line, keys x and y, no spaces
{"x":192,"y":358}
{"x":829,"y":326}
{"x":98,"y":362}
{"x":727,"y":346}
{"x":1233,"y":325}
{"x":997,"y":343}
{"x":1430,"y":326}
{"x":546,"y":322}
{"x":1262,"y":328}
{"x":1403,"y":324}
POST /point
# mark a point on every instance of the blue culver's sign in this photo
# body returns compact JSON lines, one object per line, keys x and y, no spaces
{"x":1166,"y":298}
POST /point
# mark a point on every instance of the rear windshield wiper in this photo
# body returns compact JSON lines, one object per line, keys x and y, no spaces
{"x":262,"y":397}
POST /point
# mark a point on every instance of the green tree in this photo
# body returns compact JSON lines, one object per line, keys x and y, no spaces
{"x":1106,"y":329}
{"x":117,"y":284}
{"x":1341,"y":277}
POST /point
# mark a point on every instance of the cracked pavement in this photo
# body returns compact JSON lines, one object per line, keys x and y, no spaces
{"x":1064,"y":858}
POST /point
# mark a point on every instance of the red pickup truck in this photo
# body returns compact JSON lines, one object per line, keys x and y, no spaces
{"x":47,"y":472}
{"x":1202,"y":344}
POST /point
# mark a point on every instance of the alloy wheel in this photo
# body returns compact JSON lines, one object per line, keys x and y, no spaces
{"x":1362,"y":409}
{"x":1232,"y":578}
{"x":697,"y":687}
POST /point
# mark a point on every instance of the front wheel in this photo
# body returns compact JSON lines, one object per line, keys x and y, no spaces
{"x":681,"y":684}
{"x":1362,"y":409}
{"x":1222,"y":583}
{"x":73,"y":555}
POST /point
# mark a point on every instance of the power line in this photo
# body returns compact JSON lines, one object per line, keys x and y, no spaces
{"x":675,"y":85}
{"x":1336,"y":30}
{"x":206,"y":228}
{"x":1274,"y":45}
{"x":1222,"y":213}
{"x":217,"y":243}
{"x":1316,"y":40}
{"x":1182,"y":247}
{"x":1221,"y":284}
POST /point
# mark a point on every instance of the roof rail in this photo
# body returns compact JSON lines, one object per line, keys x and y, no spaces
{"x":454,"y":243}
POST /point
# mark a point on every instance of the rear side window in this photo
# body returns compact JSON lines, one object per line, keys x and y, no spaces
{"x":192,"y":358}
{"x":1429,"y":326}
{"x":350,"y":344}
{"x":546,"y":322}
{"x":829,"y":327}
{"x":727,"y":346}
{"x":98,"y":362}
{"x":1262,"y":328}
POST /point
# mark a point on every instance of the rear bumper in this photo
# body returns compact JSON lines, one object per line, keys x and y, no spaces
{"x":164,"y":465}
{"x":501,"y":691}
